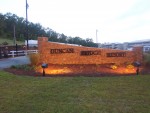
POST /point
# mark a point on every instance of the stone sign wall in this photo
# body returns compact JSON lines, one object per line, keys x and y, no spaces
{"x":58,"y":53}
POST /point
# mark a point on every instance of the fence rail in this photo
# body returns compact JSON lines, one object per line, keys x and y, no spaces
{"x":22,"y":52}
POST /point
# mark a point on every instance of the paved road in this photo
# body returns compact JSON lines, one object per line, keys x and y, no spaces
{"x":5,"y":63}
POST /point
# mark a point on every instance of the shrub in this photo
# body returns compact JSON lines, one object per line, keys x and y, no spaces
{"x":24,"y":67}
{"x":128,"y":63}
{"x":34,"y":59}
{"x":130,"y":66}
{"x":113,"y":67}
{"x":146,"y":60}
{"x":5,"y":43}
{"x":36,"y":68}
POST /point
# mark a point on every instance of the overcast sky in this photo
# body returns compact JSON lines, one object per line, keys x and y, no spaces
{"x":115,"y":20}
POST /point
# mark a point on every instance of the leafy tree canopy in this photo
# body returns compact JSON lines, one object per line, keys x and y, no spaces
{"x":10,"y":21}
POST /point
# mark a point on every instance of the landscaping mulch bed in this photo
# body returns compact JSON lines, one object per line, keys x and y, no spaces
{"x":77,"y":70}
{"x":22,"y":72}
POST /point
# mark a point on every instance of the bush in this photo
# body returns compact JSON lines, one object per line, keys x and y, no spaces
{"x":146,"y":59}
{"x":24,"y":67}
{"x":113,"y":67}
{"x":34,"y":59}
{"x":130,"y":66}
{"x":5,"y":43}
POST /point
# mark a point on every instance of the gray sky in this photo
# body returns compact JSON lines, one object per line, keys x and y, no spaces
{"x":115,"y":20}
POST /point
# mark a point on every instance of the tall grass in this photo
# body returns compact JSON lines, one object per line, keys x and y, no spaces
{"x":34,"y":59}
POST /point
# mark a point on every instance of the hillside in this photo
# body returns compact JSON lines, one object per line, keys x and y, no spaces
{"x":9,"y":41}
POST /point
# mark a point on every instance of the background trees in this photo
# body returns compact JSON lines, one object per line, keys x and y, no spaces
{"x":10,"y":21}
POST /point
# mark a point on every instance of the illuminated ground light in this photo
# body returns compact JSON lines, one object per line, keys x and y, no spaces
{"x":52,"y":70}
{"x":56,"y":71}
{"x":130,"y":69}
{"x":125,"y":71}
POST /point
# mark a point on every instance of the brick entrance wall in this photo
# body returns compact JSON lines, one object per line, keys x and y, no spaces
{"x":58,"y":53}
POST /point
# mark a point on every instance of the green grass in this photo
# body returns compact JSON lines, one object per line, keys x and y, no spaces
{"x":10,"y":42}
{"x":124,"y":94}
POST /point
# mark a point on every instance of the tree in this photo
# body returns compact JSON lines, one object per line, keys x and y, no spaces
{"x":8,"y":21}
{"x":2,"y":24}
{"x":53,"y":37}
{"x":62,"y":38}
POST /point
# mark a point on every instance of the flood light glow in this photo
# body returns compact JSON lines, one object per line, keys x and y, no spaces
{"x":56,"y":71}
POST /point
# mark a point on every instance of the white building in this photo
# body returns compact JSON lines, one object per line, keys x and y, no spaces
{"x":32,"y":43}
{"x":128,"y":45}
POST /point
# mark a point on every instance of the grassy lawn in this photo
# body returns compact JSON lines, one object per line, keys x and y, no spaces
{"x":124,"y":94}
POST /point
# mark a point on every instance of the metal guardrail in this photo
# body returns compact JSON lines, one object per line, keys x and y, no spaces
{"x":22,"y":52}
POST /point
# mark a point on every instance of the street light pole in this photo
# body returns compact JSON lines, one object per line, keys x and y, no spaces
{"x":27,"y":38}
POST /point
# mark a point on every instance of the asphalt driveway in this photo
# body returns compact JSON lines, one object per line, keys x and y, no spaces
{"x":6,"y":63}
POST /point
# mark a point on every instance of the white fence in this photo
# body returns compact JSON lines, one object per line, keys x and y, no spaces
{"x":22,"y":52}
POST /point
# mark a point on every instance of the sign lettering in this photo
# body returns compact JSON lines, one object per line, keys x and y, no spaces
{"x":117,"y":54}
{"x":60,"y":51}
{"x":87,"y":53}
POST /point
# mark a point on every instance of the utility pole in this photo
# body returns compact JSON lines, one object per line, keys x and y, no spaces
{"x":27,"y":38}
{"x":14,"y":35}
{"x":96,"y":36}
